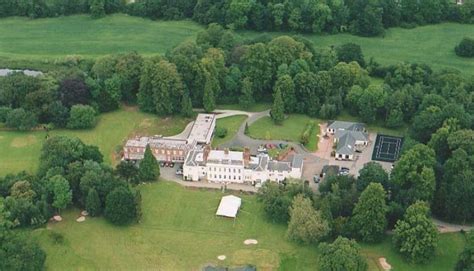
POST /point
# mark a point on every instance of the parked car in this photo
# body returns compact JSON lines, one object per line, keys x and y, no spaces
{"x":171,"y":164}
{"x":262,"y":149}
{"x":179,"y":172}
{"x":283,"y":146}
{"x":316,"y":179}
{"x":162,"y":164}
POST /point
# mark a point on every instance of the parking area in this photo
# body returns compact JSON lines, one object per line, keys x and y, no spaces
{"x":169,"y":173}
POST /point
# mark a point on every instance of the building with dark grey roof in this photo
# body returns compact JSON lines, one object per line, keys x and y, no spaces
{"x":349,"y":137}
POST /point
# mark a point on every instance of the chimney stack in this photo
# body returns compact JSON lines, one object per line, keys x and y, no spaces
{"x":246,"y":156}
{"x":207,"y":149}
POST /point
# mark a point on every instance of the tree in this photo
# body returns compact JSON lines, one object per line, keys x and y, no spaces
{"x":465,"y":48}
{"x":286,"y":86}
{"x":306,"y":224}
{"x":93,"y":205}
{"x":81,"y":117}
{"x":466,"y":258}
{"x":74,"y":91}
{"x":372,"y":172}
{"x":342,"y":254}
{"x":416,"y":236}
{"x":186,"y":106}
{"x":128,"y":171}
{"x":148,"y":170}
{"x":413,"y":175}
{"x":97,"y":8}
{"x":349,"y":52}
{"x":246,"y":129}
{"x":21,"y":119}
{"x":369,"y":216}
{"x":246,"y":99}
{"x":209,"y":100}
{"x":62,"y":194}
{"x":277,"y":112}
{"x":18,"y":253}
{"x":120,"y":206}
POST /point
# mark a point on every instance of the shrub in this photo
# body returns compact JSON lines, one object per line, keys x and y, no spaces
{"x":308,"y":130}
{"x":120,"y":207}
{"x":221,"y":132}
{"x":4,"y":113}
{"x":56,"y":237}
{"x":465,"y":48}
{"x":81,"y":117}
{"x":21,"y":119}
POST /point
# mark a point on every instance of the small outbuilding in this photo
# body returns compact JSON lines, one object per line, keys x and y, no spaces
{"x":229,"y":206}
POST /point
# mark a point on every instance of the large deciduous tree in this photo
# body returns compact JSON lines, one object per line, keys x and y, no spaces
{"x":342,"y":254}
{"x":62,"y":194}
{"x":416,"y":236}
{"x":369,"y":216}
{"x":306,"y":224}
{"x":120,"y":206}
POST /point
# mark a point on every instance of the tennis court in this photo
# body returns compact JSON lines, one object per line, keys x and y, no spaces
{"x":387,"y":148}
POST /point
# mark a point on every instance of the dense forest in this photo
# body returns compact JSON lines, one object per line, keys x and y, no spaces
{"x":361,"y":17}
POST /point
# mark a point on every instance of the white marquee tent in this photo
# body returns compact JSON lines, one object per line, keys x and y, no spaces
{"x":229,"y":206}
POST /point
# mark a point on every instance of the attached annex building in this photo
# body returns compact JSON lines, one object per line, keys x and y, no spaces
{"x":349,"y":137}
{"x":171,"y":149}
{"x":224,"y":166}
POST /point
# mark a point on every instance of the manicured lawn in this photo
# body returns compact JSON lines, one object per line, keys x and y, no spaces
{"x":290,"y":130}
{"x":232,"y":124}
{"x":179,"y":231}
{"x":449,"y":247}
{"x":81,"y":35}
{"x":431,"y":44}
{"x":21,"y":150}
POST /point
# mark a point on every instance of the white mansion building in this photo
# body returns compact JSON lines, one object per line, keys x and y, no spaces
{"x":238,"y":167}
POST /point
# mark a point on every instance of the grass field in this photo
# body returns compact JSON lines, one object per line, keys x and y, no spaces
{"x":46,"y":39}
{"x":81,"y":35}
{"x":377,"y":127}
{"x":21,"y":150}
{"x":232,"y":124}
{"x":179,"y":231}
{"x":290,"y":130}
{"x":431,"y":44}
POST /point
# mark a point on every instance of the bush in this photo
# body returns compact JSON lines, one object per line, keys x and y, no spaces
{"x":21,"y":119}
{"x":56,"y":237}
{"x":120,"y":207}
{"x":221,"y":132}
{"x":4,"y":113}
{"x":81,"y":117}
{"x":308,"y":130}
{"x":465,"y":48}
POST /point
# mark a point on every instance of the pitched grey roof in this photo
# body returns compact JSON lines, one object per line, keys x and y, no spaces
{"x":346,"y":144}
{"x":346,"y":125}
{"x":297,"y":161}
{"x":262,"y":163}
{"x":357,"y":135}
{"x":279,"y":166}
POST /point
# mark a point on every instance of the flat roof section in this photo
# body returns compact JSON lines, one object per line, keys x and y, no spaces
{"x":202,"y":128}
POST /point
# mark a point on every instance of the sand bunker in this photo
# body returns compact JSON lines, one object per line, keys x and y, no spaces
{"x":81,"y":219}
{"x":385,"y":265}
{"x":221,"y":257}
{"x":250,"y":242}
{"x":57,"y":218}
{"x":84,"y":213}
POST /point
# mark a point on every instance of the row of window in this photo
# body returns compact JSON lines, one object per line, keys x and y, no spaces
{"x":157,"y":151}
{"x":229,"y":170}
{"x":224,"y":177}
